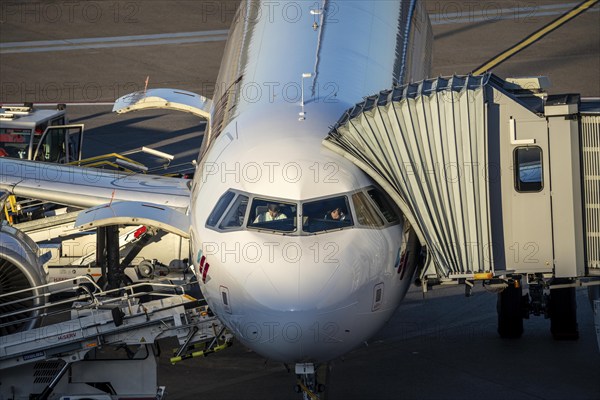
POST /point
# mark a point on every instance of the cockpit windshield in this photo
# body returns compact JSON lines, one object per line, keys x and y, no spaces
{"x":273,"y":215}
{"x":236,"y":215}
{"x":366,"y":208}
{"x":326,"y":214}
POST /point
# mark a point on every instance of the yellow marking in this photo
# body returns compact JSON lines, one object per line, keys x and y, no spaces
{"x":12,"y":201}
{"x":106,"y":160}
{"x":307,"y":391}
{"x":8,"y":216}
{"x":201,"y":353}
{"x":534,"y":37}
{"x":483,"y":275}
{"x":190,"y":298}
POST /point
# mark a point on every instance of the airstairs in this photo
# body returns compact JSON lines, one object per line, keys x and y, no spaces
{"x":105,"y":345}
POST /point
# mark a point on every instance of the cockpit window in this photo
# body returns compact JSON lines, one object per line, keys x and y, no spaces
{"x":219,"y":209}
{"x":385,"y":205}
{"x":236,"y":214}
{"x":326,"y":214}
{"x":365,"y":208}
{"x":273,"y":215}
{"x":366,"y":214}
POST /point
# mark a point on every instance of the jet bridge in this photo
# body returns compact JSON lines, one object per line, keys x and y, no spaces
{"x":496,"y":177}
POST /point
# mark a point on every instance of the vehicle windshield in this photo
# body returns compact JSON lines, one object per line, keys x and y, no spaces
{"x":14,"y":142}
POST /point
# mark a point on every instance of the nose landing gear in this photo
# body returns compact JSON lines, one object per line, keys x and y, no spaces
{"x":311,"y":381}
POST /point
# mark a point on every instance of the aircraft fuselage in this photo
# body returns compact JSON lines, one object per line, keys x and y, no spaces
{"x":300,"y":285}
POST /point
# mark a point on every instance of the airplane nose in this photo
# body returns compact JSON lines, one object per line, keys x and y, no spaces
{"x":302,"y":275}
{"x":298,"y":336}
{"x":304,"y":304}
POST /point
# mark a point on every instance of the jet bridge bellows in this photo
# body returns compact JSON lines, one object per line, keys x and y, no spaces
{"x":495,"y":177}
{"x":427,"y":144}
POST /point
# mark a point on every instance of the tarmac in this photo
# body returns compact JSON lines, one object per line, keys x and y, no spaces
{"x":439,"y":346}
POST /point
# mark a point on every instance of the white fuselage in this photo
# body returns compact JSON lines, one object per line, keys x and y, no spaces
{"x":304,"y":288}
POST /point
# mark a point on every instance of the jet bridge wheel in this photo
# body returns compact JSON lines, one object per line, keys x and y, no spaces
{"x":562,"y":308}
{"x":510,"y":312}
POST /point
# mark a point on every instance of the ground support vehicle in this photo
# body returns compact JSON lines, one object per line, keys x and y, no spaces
{"x":105,"y":345}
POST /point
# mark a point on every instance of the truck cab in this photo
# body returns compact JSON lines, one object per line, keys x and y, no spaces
{"x":39,"y":134}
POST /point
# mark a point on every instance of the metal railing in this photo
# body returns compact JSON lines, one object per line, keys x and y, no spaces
{"x":86,"y":294}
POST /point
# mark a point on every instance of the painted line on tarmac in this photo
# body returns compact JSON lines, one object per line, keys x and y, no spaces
{"x":444,"y":18}
{"x":113,"y":42}
{"x":522,"y":14}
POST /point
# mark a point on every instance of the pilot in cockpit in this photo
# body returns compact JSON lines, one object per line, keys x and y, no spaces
{"x":273,"y":213}
{"x":336,"y":215}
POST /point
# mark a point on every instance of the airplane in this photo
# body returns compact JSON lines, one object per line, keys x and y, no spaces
{"x":301,"y":288}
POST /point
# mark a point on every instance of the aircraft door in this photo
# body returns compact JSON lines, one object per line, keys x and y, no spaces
{"x":527,"y":195}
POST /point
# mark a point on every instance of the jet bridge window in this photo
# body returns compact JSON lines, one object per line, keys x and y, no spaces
{"x":528,"y":169}
{"x":326,"y":215}
{"x":272,"y":215}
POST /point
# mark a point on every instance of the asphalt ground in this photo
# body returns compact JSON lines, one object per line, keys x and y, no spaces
{"x":467,"y":33}
{"x":443,"y":346}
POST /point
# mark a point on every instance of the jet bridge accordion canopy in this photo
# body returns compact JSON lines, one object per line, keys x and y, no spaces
{"x":426,"y":145}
